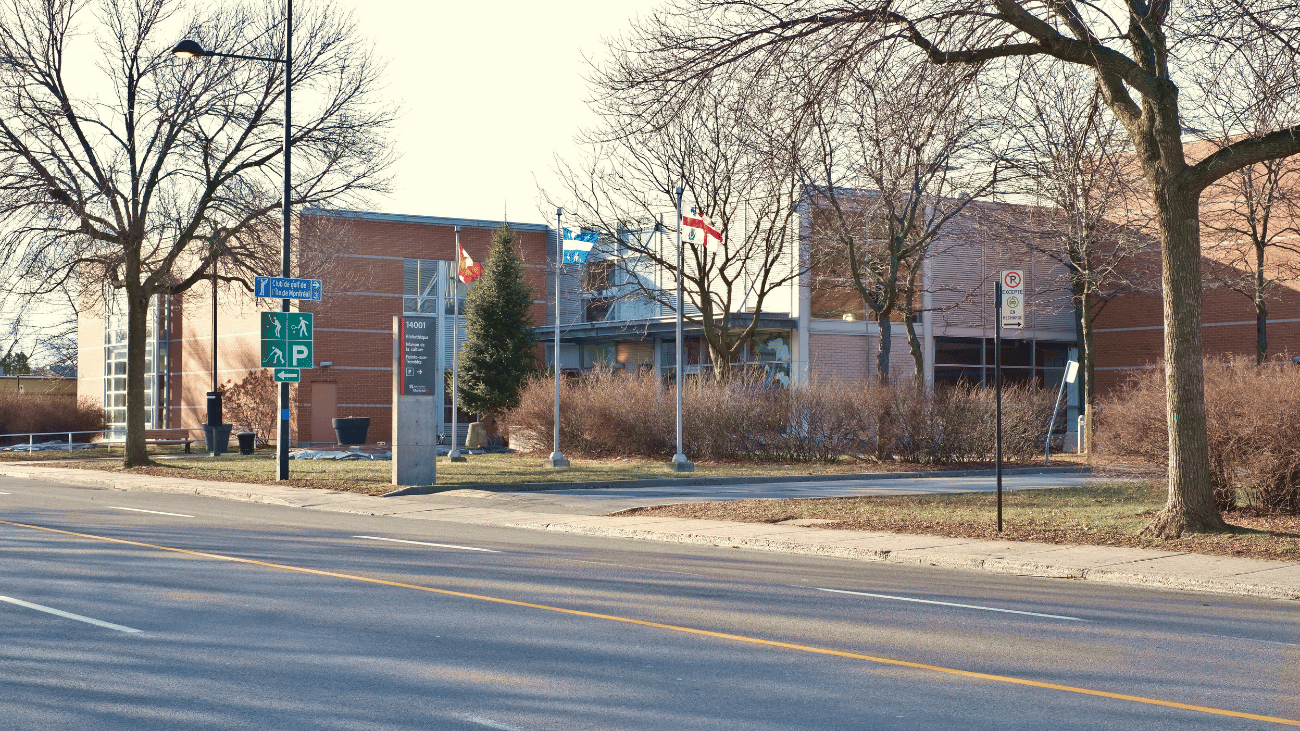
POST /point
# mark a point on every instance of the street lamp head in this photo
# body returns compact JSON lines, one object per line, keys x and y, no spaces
{"x":189,"y":49}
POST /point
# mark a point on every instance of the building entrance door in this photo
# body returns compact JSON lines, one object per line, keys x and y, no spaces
{"x":324,"y":409}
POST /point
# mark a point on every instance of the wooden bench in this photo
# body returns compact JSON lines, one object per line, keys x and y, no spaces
{"x":170,"y":436}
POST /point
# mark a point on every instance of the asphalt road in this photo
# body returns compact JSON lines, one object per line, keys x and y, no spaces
{"x":226,"y":615}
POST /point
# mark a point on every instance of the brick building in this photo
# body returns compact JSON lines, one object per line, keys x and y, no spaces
{"x":386,"y":265}
{"x":389,"y":264}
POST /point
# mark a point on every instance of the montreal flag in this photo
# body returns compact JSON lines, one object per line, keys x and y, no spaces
{"x":697,"y":229}
{"x":577,"y":244}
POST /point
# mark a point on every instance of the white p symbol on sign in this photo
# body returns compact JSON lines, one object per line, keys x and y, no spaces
{"x":297,"y":353}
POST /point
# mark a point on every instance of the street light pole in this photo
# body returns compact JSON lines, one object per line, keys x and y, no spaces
{"x":191,"y":49}
{"x":679,"y":463}
{"x":557,"y":460}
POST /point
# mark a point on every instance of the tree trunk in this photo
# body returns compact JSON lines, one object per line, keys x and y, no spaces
{"x":885,"y":328}
{"x":137,"y":313}
{"x":1086,"y":390}
{"x":918,"y":354}
{"x":1190,"y":507}
{"x":1261,"y":309}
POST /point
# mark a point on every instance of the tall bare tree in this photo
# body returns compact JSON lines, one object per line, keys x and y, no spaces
{"x":120,"y":188}
{"x":899,"y":153}
{"x":1069,"y":154}
{"x":1128,"y":45}
{"x":717,"y":148}
{"x":1251,"y":216}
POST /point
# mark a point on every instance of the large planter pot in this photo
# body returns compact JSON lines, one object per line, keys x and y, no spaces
{"x":217,"y":440}
{"x":352,"y":430}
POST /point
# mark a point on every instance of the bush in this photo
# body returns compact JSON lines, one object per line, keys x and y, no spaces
{"x":28,"y":413}
{"x":1254,"y":436}
{"x":253,"y":404}
{"x":609,"y":413}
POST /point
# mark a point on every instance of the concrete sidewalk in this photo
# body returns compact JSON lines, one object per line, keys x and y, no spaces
{"x":536,"y":510}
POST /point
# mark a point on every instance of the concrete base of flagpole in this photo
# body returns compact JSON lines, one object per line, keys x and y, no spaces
{"x":456,"y":456}
{"x":681,"y":464}
{"x":556,"y":460}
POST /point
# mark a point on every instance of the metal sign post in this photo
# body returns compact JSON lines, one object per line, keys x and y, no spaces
{"x":1010,"y":303}
{"x":997,"y":389}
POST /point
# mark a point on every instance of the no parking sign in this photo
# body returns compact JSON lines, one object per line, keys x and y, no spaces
{"x":1012,"y":305}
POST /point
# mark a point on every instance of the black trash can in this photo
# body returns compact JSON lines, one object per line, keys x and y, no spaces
{"x":217,"y":439}
{"x":352,"y":430}
{"x":246,"y":441}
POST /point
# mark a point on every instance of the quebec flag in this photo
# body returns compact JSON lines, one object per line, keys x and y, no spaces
{"x":577,"y":244}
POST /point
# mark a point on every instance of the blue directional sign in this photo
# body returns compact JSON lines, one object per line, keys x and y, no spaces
{"x":286,"y":288}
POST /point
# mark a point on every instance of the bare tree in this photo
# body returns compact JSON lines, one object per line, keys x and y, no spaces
{"x":1128,"y":46}
{"x":123,"y":196}
{"x":1251,"y":216}
{"x":716,"y":148}
{"x":898,"y":154}
{"x":1069,"y":153}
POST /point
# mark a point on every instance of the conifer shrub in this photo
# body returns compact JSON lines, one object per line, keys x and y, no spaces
{"x":1254,"y":433}
{"x":498,"y":357}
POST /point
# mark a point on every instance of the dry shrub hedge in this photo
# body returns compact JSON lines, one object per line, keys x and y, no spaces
{"x":26,"y":413}
{"x":1253,"y":424}
{"x":611,"y":413}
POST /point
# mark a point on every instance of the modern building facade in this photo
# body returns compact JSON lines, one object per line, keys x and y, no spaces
{"x":387,"y":265}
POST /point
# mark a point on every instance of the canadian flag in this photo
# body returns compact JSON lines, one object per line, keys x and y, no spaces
{"x":697,"y":228}
{"x":468,"y":270}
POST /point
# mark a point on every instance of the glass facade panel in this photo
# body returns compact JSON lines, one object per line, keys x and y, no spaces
{"x":1040,"y":362}
{"x":115,"y":363}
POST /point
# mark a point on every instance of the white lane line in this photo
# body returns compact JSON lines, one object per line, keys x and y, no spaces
{"x":154,"y":512}
{"x":422,"y":543}
{"x":69,"y":615}
{"x":950,"y":604}
{"x":4,"y":493}
{"x":490,"y":723}
{"x":1248,"y":639}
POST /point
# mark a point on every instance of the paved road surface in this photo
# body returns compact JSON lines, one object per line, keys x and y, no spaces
{"x":331,"y":621}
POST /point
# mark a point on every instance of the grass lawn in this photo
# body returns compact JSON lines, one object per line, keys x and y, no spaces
{"x":1106,"y":514}
{"x":374,"y":477}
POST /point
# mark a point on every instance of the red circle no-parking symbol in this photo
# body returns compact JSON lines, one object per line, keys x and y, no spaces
{"x":1011,"y":280}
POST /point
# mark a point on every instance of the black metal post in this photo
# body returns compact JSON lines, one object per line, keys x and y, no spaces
{"x":997,"y":388}
{"x":282,"y":437}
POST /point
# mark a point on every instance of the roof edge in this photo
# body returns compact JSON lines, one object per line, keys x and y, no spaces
{"x":422,"y":220}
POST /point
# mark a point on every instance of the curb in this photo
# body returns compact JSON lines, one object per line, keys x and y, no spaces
{"x":1102,"y":575}
{"x":705,"y":481}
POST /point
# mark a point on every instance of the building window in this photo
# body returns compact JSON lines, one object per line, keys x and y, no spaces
{"x":971,"y":360}
{"x":596,"y":309}
{"x":115,"y":362}
{"x":420,"y":285}
{"x":598,"y":275}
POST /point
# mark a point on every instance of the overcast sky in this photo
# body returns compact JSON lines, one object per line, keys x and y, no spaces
{"x":490,"y":94}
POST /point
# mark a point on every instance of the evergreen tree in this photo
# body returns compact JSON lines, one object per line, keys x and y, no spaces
{"x":498,"y":355}
{"x":15,"y":364}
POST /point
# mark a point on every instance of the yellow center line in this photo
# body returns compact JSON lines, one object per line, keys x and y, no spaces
{"x":688,"y":630}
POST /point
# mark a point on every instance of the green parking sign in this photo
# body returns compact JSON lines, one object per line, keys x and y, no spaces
{"x":288,"y":339}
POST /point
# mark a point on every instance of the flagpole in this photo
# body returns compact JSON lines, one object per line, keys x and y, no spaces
{"x":454,"y":455}
{"x":556,"y":459}
{"x":679,"y":463}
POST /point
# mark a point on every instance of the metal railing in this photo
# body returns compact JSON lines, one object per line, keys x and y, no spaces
{"x":107,"y":438}
{"x":31,"y":439}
